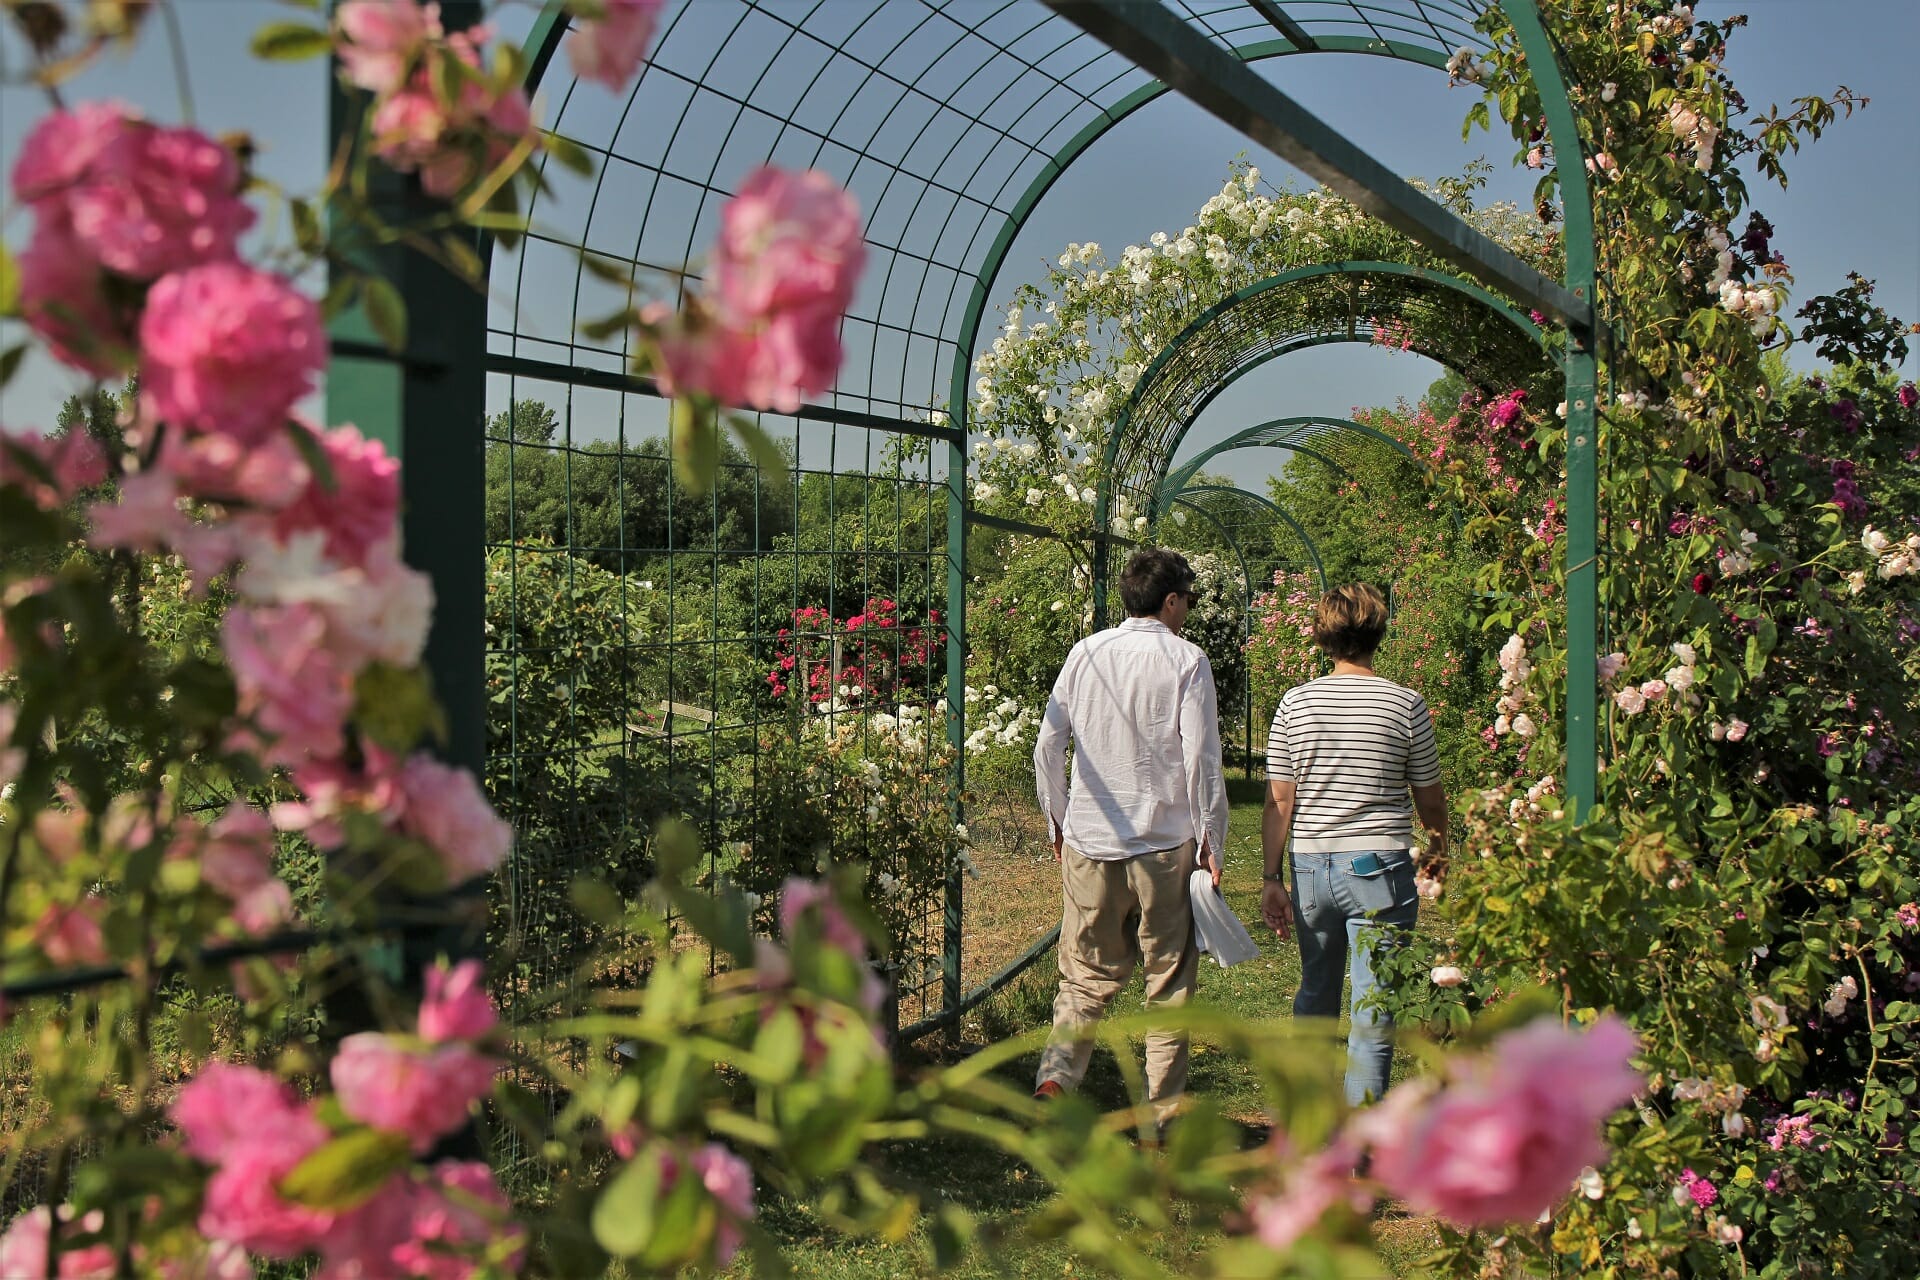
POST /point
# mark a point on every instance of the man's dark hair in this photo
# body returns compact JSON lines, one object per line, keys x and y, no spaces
{"x":1153,"y":574}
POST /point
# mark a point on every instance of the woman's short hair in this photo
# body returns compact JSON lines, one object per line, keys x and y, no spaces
{"x":1153,"y":574}
{"x":1350,"y":621}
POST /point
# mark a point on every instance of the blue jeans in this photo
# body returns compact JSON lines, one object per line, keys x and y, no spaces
{"x":1331,"y":905}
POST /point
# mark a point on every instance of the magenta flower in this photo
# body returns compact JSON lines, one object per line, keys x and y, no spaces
{"x":358,"y":510}
{"x":1907,"y":395}
{"x":609,"y":49}
{"x":456,"y":1005}
{"x":1909,"y":915}
{"x":1698,"y":1189}
{"x":729,"y":1180}
{"x":228,"y":349}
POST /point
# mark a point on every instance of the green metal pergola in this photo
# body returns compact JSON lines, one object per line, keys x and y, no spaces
{"x":950,"y":123}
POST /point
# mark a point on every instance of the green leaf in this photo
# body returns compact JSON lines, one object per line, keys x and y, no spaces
{"x":696,"y":445}
{"x":569,"y":153}
{"x":347,"y":1170}
{"x":766,"y":454}
{"x":466,"y":261}
{"x":386,"y":311}
{"x":9,"y":282}
{"x":291,"y":42}
{"x":10,"y":362}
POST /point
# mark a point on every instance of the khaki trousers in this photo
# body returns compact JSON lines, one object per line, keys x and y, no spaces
{"x":1098,"y":954}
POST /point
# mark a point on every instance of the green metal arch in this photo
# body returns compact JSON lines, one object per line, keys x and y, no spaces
{"x":996,"y":255}
{"x":1248,"y":495}
{"x":1251,"y":437}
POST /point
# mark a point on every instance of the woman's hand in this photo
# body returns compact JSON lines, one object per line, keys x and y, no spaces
{"x":1276,"y":908}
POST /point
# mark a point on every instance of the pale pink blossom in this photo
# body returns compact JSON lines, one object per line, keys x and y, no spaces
{"x":388,"y":618}
{"x":610,"y":48}
{"x":1502,"y":1139}
{"x":1610,"y":665}
{"x":1736,"y":730}
{"x":456,"y":1005}
{"x":70,"y":935}
{"x":421,"y":1093}
{"x":24,"y":1247}
{"x":1653,"y":690}
{"x":289,"y":682}
{"x":264,"y":475}
{"x":382,"y":38}
{"x":52,"y":469}
{"x":356,"y":506}
{"x":444,"y":806}
{"x":1447,"y":975}
{"x":1630,"y":700}
{"x":229,"y":349}
{"x":146,"y":516}
{"x":236,"y":861}
{"x":773,"y":366}
{"x":450,"y":144}
{"x":1309,"y":1191}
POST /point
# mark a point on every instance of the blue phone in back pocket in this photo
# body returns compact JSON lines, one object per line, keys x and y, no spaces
{"x":1367,"y":864}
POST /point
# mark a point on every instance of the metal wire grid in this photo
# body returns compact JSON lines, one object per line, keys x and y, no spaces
{"x":632,"y":630}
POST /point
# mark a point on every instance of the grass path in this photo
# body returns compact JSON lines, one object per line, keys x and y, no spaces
{"x":999,"y":1189}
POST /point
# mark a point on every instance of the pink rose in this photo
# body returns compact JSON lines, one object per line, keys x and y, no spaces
{"x":456,"y":1216}
{"x":1653,"y":690}
{"x":24,"y":1247}
{"x":1736,"y":730}
{"x":609,"y":50}
{"x":357,"y":507}
{"x":237,"y":854}
{"x":241,"y":1205}
{"x":407,"y":128}
{"x":288,"y":681}
{"x":1307,"y":1194}
{"x":1610,"y":665}
{"x":145,"y":517}
{"x":65,"y":299}
{"x":1503,"y":1139}
{"x":1631,"y":701}
{"x":456,"y":1005}
{"x":422,"y":1093}
{"x":729,"y":1180}
{"x":158,"y":200}
{"x":70,"y":936}
{"x":444,"y":806}
{"x":382,"y":38}
{"x":788,"y":241}
{"x":228,"y":349}
{"x":58,"y":151}
{"x":225,"y":1107}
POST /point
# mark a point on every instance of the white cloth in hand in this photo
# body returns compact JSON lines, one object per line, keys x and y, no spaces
{"x":1215,"y":927}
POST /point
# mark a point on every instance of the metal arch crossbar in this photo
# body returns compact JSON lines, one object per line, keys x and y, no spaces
{"x":1281,"y":433}
{"x":1155,"y":39}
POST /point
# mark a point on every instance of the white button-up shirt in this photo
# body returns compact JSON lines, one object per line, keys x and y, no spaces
{"x":1139,"y":704}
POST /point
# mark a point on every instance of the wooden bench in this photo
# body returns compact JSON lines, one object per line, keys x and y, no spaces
{"x":668,"y":710}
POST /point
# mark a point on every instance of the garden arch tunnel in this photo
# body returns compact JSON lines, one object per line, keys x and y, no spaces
{"x":949,"y":124}
{"x":1293,"y":434}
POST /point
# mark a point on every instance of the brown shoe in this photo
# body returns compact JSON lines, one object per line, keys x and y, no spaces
{"x":1048,"y":1091}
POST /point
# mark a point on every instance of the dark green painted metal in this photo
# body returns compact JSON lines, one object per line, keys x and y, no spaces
{"x":1196,"y":333}
{"x":1583,"y":419}
{"x":1158,"y":41}
{"x":1277,"y":433}
{"x":1261,"y":500}
{"x":1285,"y":25}
{"x":952,"y":914}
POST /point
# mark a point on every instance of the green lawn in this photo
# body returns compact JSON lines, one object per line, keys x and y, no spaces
{"x":999,"y":1189}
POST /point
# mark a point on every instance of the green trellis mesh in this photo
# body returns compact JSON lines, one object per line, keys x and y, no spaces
{"x":636,"y":631}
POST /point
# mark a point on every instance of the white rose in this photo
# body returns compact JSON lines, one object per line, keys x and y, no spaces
{"x":1447,"y":975}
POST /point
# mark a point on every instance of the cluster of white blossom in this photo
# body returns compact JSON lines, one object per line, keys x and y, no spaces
{"x":1694,"y":130}
{"x":1537,"y":802}
{"x":1678,"y":680}
{"x":997,"y":721}
{"x":1740,"y":560}
{"x":1514,"y":696}
{"x":1464,"y":68}
{"x":1723,"y":1100}
{"x":1896,"y":559}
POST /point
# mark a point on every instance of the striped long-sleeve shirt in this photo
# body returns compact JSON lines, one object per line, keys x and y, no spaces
{"x":1352,"y":745}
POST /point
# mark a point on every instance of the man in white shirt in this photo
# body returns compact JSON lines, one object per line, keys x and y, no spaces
{"x":1148,"y":790}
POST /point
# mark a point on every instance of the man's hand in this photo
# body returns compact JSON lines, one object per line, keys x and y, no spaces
{"x":1276,"y":908}
{"x":1211,"y":861}
{"x":1058,"y":840}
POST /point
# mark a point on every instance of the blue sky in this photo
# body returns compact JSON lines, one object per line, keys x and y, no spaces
{"x":1854,"y":203}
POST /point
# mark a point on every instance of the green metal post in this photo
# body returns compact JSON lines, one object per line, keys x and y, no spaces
{"x":950,"y":991}
{"x":1583,"y":418}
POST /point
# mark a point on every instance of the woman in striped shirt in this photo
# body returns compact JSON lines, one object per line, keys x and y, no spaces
{"x":1350,"y":759}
